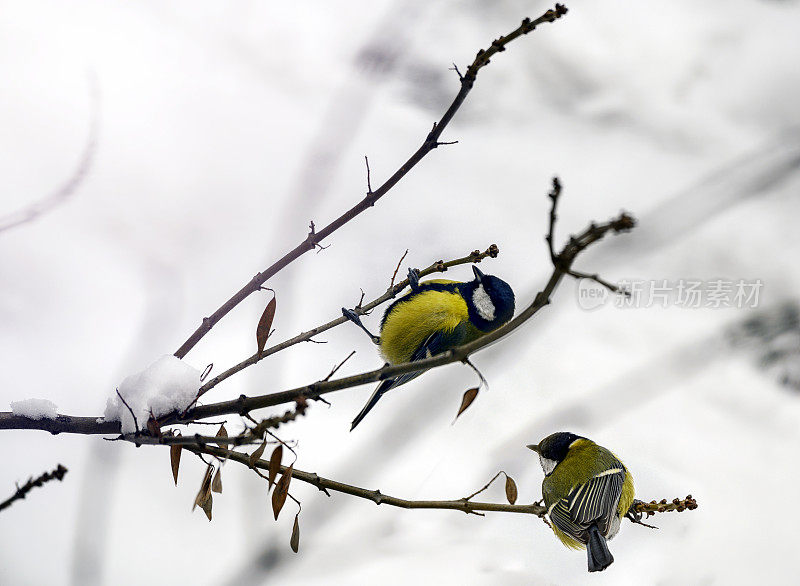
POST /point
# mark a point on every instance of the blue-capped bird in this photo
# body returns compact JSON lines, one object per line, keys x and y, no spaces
{"x":587,"y":492}
{"x":435,"y":316}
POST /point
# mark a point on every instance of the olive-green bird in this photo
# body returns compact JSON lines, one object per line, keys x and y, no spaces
{"x":435,"y":316}
{"x":587,"y":492}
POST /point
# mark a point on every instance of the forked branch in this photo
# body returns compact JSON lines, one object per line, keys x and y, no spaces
{"x":431,"y":142}
{"x":465,"y":504}
{"x":562,"y":265}
{"x":22,"y":491}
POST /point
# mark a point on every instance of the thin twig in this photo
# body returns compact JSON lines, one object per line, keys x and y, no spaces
{"x":22,"y":491}
{"x":474,"y":257}
{"x":338,"y":366}
{"x":597,"y":279}
{"x":357,"y":308}
{"x":394,"y":274}
{"x":431,"y":142}
{"x":486,"y":486}
{"x":562,"y":266}
{"x":285,"y":444}
{"x":124,"y":402}
{"x":484,"y":382}
{"x":554,"y":195}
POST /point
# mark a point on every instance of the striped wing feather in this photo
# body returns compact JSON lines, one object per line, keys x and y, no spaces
{"x":597,"y":500}
{"x":594,"y":502}
{"x":433,"y":345}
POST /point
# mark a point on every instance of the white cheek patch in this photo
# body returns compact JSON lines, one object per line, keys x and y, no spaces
{"x":483,"y":303}
{"x":547,"y":465}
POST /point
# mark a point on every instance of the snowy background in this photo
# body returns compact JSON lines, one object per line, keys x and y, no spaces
{"x":223,"y":128}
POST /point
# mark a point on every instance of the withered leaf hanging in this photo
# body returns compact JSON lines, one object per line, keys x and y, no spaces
{"x":467,"y":399}
{"x":265,"y":325}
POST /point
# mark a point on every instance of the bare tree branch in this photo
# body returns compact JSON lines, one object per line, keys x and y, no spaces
{"x":394,"y":274}
{"x":439,"y":266}
{"x":60,"y":424}
{"x":97,"y":425}
{"x":431,"y":142}
{"x":562,"y":266}
{"x":465,"y":504}
{"x":244,"y":405}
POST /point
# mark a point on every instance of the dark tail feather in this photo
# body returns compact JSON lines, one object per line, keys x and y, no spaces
{"x":597,"y":550}
{"x":382,"y":388}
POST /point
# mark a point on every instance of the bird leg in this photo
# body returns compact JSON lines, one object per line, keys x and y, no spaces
{"x":353,"y":317}
{"x":635,"y":516}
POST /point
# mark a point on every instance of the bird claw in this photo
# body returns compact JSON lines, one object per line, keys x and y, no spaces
{"x":353,"y":317}
{"x":413,"y":279}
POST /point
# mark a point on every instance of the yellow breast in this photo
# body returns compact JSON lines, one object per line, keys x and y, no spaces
{"x":411,"y":321}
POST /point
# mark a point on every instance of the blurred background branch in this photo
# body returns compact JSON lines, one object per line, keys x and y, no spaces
{"x":22,"y":491}
{"x":67,"y":189}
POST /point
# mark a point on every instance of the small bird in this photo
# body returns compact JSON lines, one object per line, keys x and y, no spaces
{"x":433,"y":317}
{"x":587,"y":491}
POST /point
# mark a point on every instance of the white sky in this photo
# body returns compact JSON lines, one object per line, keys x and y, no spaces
{"x":224,"y":128}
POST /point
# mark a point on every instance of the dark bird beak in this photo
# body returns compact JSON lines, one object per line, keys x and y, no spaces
{"x":478,"y":273}
{"x":534,"y":447}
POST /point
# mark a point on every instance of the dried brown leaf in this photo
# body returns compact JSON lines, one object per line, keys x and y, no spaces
{"x":216,"y":484}
{"x":281,"y":491}
{"x":511,"y":490}
{"x":175,"y":460}
{"x":256,"y":456}
{"x":265,"y":325}
{"x":206,"y":506}
{"x":222,"y":433}
{"x":275,"y":463}
{"x":467,"y":399}
{"x":294,"y":542}
{"x":205,"y":489}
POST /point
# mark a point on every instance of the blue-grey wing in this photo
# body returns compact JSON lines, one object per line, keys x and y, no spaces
{"x":434,"y":344}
